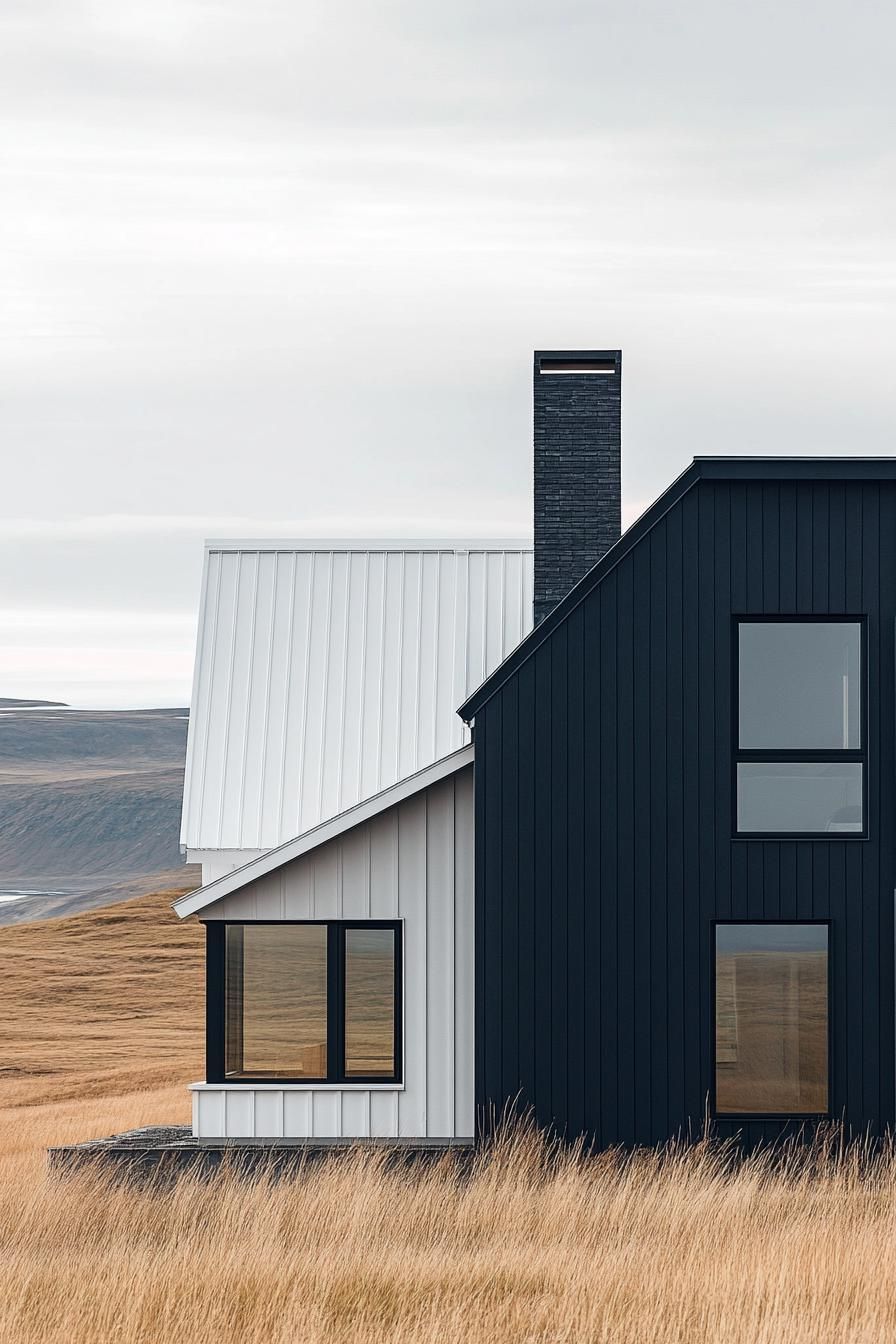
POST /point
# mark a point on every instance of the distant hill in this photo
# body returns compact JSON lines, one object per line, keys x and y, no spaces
{"x":7,"y":702}
{"x":58,"y":905}
{"x":89,"y":806}
{"x":104,"y":1003}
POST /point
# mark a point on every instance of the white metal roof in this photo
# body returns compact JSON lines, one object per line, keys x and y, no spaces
{"x":322,"y":834}
{"x":327,"y":671}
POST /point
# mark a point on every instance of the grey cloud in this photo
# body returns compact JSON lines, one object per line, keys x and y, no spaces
{"x":513,"y":64}
{"x":290,"y":260}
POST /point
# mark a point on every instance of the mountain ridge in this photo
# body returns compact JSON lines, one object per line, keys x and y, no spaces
{"x":90,"y":804}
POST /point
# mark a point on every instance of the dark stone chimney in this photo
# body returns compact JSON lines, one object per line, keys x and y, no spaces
{"x":578,"y":473}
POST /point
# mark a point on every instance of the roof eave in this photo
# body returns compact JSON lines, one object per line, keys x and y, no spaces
{"x":331,"y":829}
{"x":796,"y":468}
{"x":705,"y":468}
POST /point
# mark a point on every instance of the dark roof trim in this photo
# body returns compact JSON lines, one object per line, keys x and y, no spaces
{"x":706,"y":468}
{"x":649,"y":518}
{"x":796,"y":468}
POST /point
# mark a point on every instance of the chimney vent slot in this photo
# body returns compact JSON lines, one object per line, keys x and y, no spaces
{"x":604,"y":366}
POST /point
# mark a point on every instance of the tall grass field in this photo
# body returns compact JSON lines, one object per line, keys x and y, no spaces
{"x":101,"y":1030}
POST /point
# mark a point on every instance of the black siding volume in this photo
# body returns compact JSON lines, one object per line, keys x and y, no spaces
{"x":604,"y":844}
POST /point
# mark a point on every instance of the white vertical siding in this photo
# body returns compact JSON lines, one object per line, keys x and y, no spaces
{"x":413,"y":1114}
{"x":325,"y":675}
{"x":464,"y":982}
{"x":439,"y":1004}
{"x":413,"y":862}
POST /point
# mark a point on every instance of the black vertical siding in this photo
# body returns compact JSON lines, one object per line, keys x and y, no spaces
{"x":604,"y":842}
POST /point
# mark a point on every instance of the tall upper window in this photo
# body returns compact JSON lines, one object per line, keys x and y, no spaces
{"x":771,"y":1015}
{"x":800,"y":760}
{"x":308,"y":1002}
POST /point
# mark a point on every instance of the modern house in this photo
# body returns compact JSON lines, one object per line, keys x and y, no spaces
{"x":329,"y":799}
{"x":653,"y":882}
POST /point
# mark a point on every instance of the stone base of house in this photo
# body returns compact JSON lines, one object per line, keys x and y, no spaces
{"x":172,"y":1149}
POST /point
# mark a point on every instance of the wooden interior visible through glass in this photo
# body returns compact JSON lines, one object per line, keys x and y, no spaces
{"x":771,"y":1019}
{"x":276,"y":1001}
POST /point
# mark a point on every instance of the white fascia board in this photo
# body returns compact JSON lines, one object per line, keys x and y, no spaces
{"x":369,"y":544}
{"x":248,"y":1086}
{"x":320,"y":835}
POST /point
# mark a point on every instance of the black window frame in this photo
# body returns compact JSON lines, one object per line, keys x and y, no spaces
{"x":772,"y":1117}
{"x":215,"y":1005}
{"x":826,"y":756}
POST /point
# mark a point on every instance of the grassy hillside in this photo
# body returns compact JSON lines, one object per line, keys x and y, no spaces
{"x":102,"y":1003}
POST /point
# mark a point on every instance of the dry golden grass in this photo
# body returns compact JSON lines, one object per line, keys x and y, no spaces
{"x":101,"y":1003}
{"x":529,"y":1246}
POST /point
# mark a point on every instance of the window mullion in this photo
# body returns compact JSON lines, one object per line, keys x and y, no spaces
{"x":752,"y":754}
{"x":215,"y":1001}
{"x":398,"y":1004}
{"x":335,"y":1002}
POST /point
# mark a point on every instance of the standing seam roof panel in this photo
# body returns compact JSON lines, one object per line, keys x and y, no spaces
{"x":325,"y":675}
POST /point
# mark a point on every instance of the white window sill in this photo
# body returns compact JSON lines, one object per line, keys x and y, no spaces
{"x":249,"y":1086}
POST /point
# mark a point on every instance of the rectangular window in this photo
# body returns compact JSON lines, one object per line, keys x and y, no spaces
{"x":771,"y":1033}
{"x":310,"y":1002}
{"x":800,"y":748}
{"x":369,"y":1003}
{"x":799,"y":796}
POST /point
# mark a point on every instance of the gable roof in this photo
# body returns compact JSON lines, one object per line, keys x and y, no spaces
{"x":321,"y":835}
{"x":328,"y":670}
{"x":701,"y":468}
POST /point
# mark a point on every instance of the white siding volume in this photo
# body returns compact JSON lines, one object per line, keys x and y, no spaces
{"x":414,"y":862}
{"x":325,"y":672}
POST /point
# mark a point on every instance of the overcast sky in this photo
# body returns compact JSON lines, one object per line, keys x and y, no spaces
{"x":278,"y":268}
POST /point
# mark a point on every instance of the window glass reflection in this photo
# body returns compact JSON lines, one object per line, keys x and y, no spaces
{"x":276,"y":1001}
{"x":796,"y":797}
{"x":771,"y":1019}
{"x":799,"y":685}
{"x":369,"y":1003}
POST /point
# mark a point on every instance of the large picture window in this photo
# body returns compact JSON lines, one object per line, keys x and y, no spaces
{"x":800,"y":748}
{"x":304,"y":1002}
{"x":771,"y":1019}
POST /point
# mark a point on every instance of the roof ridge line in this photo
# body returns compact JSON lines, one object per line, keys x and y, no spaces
{"x":363,"y":544}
